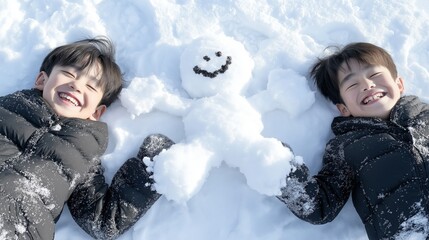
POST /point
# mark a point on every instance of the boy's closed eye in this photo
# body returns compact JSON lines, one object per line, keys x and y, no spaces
{"x":371,"y":76}
{"x":68,"y":74}
{"x":91,"y":87}
{"x":376,"y":74}
{"x":352,"y":84}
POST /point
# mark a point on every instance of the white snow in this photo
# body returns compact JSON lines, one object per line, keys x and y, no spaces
{"x":219,"y":181}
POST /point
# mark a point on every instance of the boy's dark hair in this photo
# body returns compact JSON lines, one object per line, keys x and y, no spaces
{"x":325,"y":71}
{"x":83,"y":55}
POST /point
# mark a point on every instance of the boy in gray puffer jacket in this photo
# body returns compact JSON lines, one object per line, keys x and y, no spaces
{"x":379,"y":153}
{"x":50,"y":147}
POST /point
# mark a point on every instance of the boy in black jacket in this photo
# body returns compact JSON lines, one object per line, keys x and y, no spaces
{"x":379,"y":153}
{"x":50,"y":147}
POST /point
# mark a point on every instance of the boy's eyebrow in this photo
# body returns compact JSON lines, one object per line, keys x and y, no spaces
{"x":93,"y":78}
{"x":351,"y":74}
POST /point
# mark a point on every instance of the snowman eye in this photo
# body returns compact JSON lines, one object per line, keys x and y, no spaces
{"x":213,"y":74}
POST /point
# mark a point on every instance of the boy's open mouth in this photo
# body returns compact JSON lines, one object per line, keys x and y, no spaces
{"x":69,"y":98}
{"x":371,"y":98}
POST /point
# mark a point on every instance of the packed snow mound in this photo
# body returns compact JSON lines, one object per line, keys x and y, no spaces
{"x":221,"y":124}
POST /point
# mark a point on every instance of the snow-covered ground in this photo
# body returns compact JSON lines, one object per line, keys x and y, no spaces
{"x":218,"y":182}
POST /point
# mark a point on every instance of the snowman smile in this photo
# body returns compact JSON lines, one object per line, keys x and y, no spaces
{"x":213,"y":74}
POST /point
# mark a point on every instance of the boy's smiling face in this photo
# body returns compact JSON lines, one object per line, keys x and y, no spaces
{"x":367,"y":90}
{"x":72,"y":93}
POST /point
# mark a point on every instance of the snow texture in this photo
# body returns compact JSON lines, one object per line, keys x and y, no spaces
{"x":212,"y":192}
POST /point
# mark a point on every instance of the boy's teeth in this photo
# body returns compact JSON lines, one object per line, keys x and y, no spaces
{"x":70,"y":99}
{"x":372,"y":98}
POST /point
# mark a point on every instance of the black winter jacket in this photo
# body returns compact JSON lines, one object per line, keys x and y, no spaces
{"x":384,"y":164}
{"x":47,"y":161}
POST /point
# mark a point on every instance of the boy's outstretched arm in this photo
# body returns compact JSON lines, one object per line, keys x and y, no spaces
{"x":320,"y":198}
{"x":105,"y":212}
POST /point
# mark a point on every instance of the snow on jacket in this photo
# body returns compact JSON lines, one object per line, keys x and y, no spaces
{"x":383,"y":164}
{"x":47,"y":161}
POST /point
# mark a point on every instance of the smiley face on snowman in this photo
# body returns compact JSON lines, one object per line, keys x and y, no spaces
{"x":221,"y":125}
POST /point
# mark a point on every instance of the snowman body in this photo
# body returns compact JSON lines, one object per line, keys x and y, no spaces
{"x":221,"y":125}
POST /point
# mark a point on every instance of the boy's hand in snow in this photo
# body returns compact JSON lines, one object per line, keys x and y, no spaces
{"x":294,"y":193}
{"x":152,"y":146}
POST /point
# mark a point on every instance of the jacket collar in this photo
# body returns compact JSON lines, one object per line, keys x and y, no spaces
{"x":405,"y":110}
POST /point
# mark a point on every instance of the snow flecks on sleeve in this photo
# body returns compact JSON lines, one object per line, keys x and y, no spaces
{"x":416,"y":227}
{"x":294,"y":195}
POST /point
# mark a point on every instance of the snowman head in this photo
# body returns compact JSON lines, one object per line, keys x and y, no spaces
{"x":212,"y":65}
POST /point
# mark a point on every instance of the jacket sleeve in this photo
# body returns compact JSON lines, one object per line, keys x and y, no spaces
{"x":105,"y":212}
{"x":320,"y":198}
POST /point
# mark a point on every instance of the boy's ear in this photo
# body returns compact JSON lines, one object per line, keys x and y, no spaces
{"x":400,"y":82}
{"x":40,"y":80}
{"x":98,"y":112}
{"x":343,"y":110}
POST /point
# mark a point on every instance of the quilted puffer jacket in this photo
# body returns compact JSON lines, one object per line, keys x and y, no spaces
{"x":47,"y":161}
{"x":384,"y":165}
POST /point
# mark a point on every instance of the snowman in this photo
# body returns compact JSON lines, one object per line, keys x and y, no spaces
{"x":221,"y":125}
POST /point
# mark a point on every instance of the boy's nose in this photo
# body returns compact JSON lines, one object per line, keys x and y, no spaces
{"x":368,"y":84}
{"x":75,"y":86}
